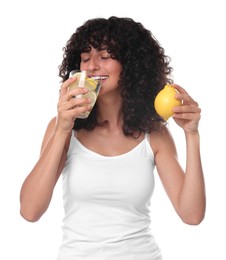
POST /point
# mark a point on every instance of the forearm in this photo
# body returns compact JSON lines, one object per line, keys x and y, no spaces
{"x":37,"y":189}
{"x":192,"y":196}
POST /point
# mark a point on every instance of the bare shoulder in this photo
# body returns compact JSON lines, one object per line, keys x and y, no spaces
{"x":49,"y":130}
{"x":52,"y":124}
{"x":162,"y":140}
{"x":49,"y":133}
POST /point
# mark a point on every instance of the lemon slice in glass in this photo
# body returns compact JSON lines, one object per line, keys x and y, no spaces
{"x":90,"y":84}
{"x":92,"y":96}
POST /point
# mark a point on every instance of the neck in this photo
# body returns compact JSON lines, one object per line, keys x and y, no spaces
{"x":110,"y":109}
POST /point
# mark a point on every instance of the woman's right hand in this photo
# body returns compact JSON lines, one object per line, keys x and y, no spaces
{"x":70,"y":107}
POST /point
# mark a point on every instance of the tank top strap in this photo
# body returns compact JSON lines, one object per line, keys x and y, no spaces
{"x":147,"y":137}
{"x":74,"y":133}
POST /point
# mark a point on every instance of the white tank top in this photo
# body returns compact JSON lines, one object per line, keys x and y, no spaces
{"x":107,"y":204}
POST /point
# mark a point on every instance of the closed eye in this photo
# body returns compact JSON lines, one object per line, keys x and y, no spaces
{"x":105,"y":57}
{"x":85,"y":60}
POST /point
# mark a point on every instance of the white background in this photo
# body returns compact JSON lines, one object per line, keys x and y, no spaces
{"x":33,"y":34}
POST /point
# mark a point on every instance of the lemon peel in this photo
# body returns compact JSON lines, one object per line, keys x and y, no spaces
{"x":165,"y":101}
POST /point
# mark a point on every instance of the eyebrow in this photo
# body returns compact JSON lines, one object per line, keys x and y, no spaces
{"x":105,"y":48}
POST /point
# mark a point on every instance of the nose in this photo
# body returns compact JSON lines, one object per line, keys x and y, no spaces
{"x":93,"y":64}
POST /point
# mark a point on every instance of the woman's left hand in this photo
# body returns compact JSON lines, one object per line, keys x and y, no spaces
{"x":188,"y":114}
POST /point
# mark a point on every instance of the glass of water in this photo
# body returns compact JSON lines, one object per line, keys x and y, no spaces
{"x":83,"y":81}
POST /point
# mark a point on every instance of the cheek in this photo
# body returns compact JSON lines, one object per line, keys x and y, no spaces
{"x":83,"y":67}
{"x":117,"y":70}
{"x":117,"y":75}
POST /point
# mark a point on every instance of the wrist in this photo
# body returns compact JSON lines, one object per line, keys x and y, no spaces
{"x":192,"y":133}
{"x":60,"y":133}
{"x":192,"y":137}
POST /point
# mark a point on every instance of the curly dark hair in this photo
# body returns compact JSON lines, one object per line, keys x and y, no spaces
{"x":145,"y":69}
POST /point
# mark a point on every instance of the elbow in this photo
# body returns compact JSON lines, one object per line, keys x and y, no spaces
{"x":193,"y":219}
{"x":193,"y":222}
{"x":29,"y":216}
{"x":193,"y":215}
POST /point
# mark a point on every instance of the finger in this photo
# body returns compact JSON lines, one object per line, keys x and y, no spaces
{"x":195,"y":117}
{"x":65,"y":85}
{"x":73,"y":103}
{"x":71,"y":93}
{"x":76,"y":93}
{"x":75,"y":112}
{"x":186,"y":99}
{"x":179,"y":89}
{"x":183,"y":95}
{"x":187,"y":109}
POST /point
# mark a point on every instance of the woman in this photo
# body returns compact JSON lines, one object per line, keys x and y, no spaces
{"x":107,"y":160}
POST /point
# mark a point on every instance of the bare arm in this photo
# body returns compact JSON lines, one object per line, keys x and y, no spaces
{"x":186,"y":189}
{"x":192,"y":196}
{"x":37,"y":189}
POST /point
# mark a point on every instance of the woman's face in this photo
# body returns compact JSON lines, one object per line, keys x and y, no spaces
{"x":99,"y":63}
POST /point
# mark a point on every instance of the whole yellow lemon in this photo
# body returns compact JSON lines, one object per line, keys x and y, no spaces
{"x":165,"y":101}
